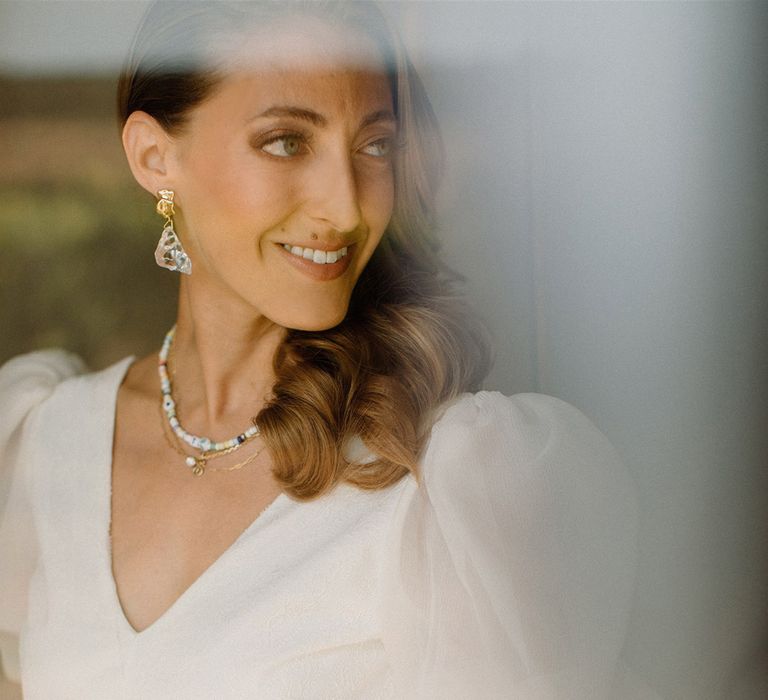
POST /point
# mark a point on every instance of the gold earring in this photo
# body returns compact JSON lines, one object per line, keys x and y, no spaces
{"x":169,"y":253}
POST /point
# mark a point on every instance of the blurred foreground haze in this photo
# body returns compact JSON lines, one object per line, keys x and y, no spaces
{"x":607,"y":200}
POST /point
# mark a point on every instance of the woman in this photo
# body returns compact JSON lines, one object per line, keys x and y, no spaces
{"x":298,"y":497}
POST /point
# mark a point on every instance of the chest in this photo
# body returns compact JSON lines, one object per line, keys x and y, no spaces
{"x":295,"y":596}
{"x":296,"y":592}
{"x":167,"y":525}
{"x":164,"y":535}
{"x":176,"y":533}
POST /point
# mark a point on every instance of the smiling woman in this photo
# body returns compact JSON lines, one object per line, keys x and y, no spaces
{"x":248,"y":186}
{"x":297,"y":496}
{"x":285,"y":128}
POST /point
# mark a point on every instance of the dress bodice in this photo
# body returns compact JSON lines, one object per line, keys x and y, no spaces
{"x":506,"y":573}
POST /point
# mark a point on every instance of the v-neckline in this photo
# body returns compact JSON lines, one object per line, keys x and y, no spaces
{"x":121,"y":370}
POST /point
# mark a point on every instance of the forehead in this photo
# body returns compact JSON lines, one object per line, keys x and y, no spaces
{"x":297,"y":41}
{"x":302,"y":60}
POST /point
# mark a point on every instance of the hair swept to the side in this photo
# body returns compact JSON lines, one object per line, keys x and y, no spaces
{"x":409,"y":343}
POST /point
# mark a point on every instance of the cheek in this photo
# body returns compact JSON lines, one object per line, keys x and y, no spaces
{"x":233,"y":203}
{"x":379,"y":201}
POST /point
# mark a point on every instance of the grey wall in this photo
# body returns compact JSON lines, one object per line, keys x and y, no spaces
{"x":608,"y":202}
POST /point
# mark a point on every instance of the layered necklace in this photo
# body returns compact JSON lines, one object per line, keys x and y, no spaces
{"x":207,"y":448}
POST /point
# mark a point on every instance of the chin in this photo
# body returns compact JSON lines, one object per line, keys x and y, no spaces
{"x":311,"y":320}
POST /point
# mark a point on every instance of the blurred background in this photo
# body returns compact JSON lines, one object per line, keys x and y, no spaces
{"x":607,"y":200}
{"x":76,"y":231}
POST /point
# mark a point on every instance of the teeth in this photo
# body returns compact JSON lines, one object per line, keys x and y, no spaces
{"x":321,"y":257}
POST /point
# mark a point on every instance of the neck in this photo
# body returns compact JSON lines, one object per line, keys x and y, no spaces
{"x":223,"y":354}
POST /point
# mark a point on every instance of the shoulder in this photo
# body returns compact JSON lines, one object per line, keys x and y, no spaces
{"x":32,"y":381}
{"x":524,"y":427}
{"x":536,"y":450}
{"x":525,"y":422}
{"x":28,"y":380}
{"x":36,"y":371}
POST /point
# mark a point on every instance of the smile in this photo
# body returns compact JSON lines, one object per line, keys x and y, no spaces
{"x":319,"y":265}
{"x":320,"y":257}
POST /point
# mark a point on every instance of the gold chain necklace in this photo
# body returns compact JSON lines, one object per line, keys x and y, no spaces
{"x":199,"y":465}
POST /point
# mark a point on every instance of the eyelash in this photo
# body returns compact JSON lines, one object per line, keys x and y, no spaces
{"x":390,"y":141}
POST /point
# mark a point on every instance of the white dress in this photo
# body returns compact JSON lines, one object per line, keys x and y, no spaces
{"x":507,"y":574}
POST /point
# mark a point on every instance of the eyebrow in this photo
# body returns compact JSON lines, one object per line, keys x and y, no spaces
{"x":381,"y":115}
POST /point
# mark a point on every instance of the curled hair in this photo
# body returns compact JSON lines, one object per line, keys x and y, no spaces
{"x":408,"y":343}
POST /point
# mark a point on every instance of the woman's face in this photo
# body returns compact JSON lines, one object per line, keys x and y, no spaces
{"x":283,"y":177}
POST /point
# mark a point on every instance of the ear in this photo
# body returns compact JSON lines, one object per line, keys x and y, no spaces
{"x":148,"y":149}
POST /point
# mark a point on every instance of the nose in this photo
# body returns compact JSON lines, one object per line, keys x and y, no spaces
{"x":335,"y":200}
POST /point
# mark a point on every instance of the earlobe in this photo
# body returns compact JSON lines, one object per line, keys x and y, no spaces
{"x":147,"y":147}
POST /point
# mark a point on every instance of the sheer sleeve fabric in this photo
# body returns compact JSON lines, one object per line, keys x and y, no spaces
{"x":510,"y":568}
{"x":25,"y":383}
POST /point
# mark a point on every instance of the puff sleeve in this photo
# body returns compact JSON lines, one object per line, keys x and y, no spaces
{"x":509,"y":570}
{"x":26,"y":382}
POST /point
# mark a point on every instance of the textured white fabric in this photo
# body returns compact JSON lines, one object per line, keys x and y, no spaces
{"x":506,"y":574}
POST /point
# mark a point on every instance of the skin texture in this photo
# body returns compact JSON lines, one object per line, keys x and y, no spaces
{"x":243,"y":187}
{"x":242,"y":194}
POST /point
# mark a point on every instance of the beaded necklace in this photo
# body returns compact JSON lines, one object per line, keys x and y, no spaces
{"x":203,"y":444}
{"x":199,"y":465}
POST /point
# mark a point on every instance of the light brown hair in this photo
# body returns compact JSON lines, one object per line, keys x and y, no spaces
{"x":408,"y":343}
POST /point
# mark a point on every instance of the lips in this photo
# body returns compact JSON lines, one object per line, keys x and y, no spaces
{"x":320,"y":271}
